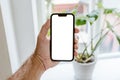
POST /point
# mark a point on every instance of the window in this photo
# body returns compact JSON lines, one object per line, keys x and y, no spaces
{"x":110,"y":43}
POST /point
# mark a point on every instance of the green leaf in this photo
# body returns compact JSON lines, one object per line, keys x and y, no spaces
{"x":117,"y":13}
{"x":80,"y":22}
{"x":109,"y":26}
{"x":74,"y":11}
{"x":91,"y":20}
{"x":118,"y":38}
{"x":109,"y":11}
{"x":100,"y":5}
{"x":93,"y":16}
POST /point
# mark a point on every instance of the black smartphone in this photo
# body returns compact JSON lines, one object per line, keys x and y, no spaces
{"x":62,"y":36}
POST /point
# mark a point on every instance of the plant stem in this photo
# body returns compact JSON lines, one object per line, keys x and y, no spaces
{"x":104,"y":21}
{"x":116,"y":20}
{"x":85,"y":46}
{"x":116,"y":24}
{"x":97,"y":44}
{"x":90,"y":42}
{"x":91,"y":27}
{"x":101,"y":36}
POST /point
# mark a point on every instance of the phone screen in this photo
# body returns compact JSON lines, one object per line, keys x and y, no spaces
{"x":62,"y":36}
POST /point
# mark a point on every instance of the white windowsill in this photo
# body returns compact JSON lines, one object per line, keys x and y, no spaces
{"x":105,"y":69}
{"x":109,"y":55}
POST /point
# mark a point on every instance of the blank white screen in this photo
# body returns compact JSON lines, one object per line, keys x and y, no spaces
{"x":62,"y":37}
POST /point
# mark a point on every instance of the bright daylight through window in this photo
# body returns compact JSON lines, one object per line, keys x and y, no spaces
{"x":110,"y":43}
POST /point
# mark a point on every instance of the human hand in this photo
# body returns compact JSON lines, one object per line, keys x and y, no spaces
{"x":42,"y":48}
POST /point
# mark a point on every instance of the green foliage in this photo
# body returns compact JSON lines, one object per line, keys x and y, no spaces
{"x":100,"y":5}
{"x":109,"y":26}
{"x":106,"y":28}
{"x":118,"y":38}
{"x":81,"y":21}
{"x":74,"y":11}
{"x":109,"y":11}
{"x":93,"y":16}
{"x":117,"y":13}
{"x":86,"y":58}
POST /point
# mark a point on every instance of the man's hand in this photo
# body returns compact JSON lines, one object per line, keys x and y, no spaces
{"x":40,"y":61}
{"x":42,"y":48}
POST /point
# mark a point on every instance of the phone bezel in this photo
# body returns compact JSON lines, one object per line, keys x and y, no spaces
{"x":61,"y":14}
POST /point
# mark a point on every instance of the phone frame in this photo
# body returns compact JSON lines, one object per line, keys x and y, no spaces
{"x":61,"y":14}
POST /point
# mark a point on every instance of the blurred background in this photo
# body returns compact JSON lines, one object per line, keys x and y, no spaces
{"x":21,"y":21}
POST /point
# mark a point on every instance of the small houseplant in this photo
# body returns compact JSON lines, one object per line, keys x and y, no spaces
{"x":85,"y":61}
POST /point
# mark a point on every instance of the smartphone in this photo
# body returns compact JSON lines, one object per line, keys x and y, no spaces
{"x":62,"y":36}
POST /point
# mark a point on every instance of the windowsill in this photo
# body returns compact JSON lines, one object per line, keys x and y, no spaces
{"x":109,"y":55}
{"x":106,"y":69}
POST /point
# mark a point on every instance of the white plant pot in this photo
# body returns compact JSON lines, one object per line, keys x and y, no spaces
{"x":83,"y":71}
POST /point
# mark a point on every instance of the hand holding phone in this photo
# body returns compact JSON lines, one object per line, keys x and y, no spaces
{"x":62,"y":36}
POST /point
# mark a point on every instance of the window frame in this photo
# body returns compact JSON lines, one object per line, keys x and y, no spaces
{"x":104,"y":55}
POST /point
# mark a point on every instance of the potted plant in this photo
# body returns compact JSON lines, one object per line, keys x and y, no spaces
{"x":85,"y":60}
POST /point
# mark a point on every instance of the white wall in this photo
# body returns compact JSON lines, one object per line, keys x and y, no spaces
{"x":10,"y":35}
{"x":23,"y":27}
{"x":41,"y":12}
{"x":5,"y":66}
{"x":19,"y":29}
{"x":17,"y":36}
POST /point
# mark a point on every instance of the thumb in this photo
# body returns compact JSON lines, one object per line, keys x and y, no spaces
{"x":44,"y":29}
